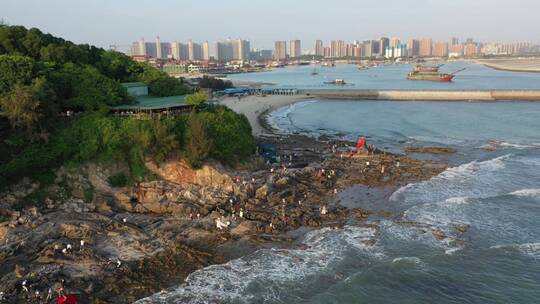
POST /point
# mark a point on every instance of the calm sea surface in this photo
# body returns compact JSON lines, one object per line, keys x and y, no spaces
{"x":475,"y":77}
{"x":492,"y":186}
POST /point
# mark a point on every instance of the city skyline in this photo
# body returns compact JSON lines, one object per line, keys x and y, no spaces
{"x":391,"y":48}
{"x":122,"y":22}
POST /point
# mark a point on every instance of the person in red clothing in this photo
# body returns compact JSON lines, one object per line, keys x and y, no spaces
{"x":65,"y":299}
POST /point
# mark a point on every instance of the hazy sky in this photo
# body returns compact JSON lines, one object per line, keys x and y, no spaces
{"x":105,"y":22}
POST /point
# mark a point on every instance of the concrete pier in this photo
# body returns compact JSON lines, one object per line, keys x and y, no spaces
{"x":429,"y":95}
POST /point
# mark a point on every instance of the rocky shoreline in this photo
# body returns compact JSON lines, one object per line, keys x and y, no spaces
{"x":117,"y":245}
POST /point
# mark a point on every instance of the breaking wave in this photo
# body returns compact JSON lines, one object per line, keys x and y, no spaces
{"x":526,"y":193}
{"x":474,"y":179}
{"x":528,"y":249}
{"x":270,"y":269}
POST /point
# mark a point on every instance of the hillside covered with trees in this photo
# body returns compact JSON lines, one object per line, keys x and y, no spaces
{"x":42,"y":76}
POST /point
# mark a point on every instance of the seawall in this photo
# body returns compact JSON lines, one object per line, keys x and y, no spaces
{"x":429,"y":95}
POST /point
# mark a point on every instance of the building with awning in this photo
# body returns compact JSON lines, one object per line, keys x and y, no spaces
{"x":150,"y":104}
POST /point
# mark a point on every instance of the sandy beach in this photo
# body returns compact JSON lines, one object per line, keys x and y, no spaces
{"x":513,"y":64}
{"x":253,"y":106}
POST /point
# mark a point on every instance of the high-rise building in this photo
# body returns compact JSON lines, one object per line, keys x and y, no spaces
{"x":413,"y":47}
{"x":327,"y":52}
{"x":232,"y":50}
{"x":163,"y":49}
{"x":383,"y":43}
{"x":426,"y":47}
{"x":341,"y":50}
{"x":194,"y":51}
{"x":295,"y":49}
{"x":319,"y":48}
{"x":470,"y":50}
{"x":241,"y":50}
{"x":368,"y":48}
{"x":179,"y":51}
{"x":394,"y":42}
{"x":455,"y":50}
{"x":280,"y":50}
{"x":334,"y":51}
{"x":440,"y":49}
{"x":205,"y":51}
{"x":454,"y":41}
{"x":358,"y":50}
{"x":138,"y":48}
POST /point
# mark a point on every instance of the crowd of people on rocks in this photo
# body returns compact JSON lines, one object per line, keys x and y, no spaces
{"x":56,"y":292}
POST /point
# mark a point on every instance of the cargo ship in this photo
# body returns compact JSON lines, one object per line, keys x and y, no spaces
{"x":432,"y":76}
{"x":425,"y":68}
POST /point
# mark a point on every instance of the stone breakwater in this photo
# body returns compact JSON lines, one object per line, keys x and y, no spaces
{"x":429,"y":95}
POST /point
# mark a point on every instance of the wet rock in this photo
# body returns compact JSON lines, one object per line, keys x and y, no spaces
{"x":262,"y":192}
{"x":430,"y":150}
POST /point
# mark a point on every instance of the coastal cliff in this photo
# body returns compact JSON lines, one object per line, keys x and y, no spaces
{"x":118,"y":244}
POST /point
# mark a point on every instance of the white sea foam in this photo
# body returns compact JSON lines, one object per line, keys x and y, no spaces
{"x":451,"y":251}
{"x":516,"y":146}
{"x":474,"y":179}
{"x":526,"y":193}
{"x":271,"y":268}
{"x":413,"y":260}
{"x":410,"y":261}
{"x":421,"y":233}
{"x":529,"y":249}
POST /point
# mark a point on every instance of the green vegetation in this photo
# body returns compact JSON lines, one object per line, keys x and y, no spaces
{"x":89,"y":194}
{"x":198,"y":143}
{"x":42,"y":76}
{"x":214,"y":83}
{"x":197,"y":99}
{"x":117,"y":180}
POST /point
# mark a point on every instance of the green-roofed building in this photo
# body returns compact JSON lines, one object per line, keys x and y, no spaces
{"x":155,"y":104}
{"x":146,"y":103}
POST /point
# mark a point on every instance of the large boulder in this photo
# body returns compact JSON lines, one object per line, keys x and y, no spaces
{"x":177,"y":171}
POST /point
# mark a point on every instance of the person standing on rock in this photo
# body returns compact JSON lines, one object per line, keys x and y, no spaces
{"x":24,"y":287}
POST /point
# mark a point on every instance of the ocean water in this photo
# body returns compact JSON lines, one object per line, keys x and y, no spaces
{"x":475,"y":77}
{"x":494,"y":192}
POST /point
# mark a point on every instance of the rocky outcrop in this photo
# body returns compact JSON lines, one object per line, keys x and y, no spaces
{"x":177,"y":171}
{"x":430,"y":150}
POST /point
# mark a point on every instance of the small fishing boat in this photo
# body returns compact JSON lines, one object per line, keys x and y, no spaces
{"x":336,"y":82}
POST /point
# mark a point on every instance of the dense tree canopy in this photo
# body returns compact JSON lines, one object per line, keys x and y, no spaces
{"x":42,"y":76}
{"x":197,"y":99}
{"x":215,"y":84}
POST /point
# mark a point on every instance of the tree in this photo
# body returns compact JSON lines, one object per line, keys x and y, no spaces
{"x":119,"y":66}
{"x":150,"y":74}
{"x":231,"y":135}
{"x":198,"y":144}
{"x":16,"y":69}
{"x":197,"y":99}
{"x":164,"y":141}
{"x":215,"y":84}
{"x":167,"y":87}
{"x":84,"y":88}
{"x":21,"y":108}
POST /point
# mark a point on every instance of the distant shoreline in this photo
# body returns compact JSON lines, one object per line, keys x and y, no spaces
{"x":513,"y":65}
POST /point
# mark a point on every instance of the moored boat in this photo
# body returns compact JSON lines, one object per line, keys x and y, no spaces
{"x":336,"y":82}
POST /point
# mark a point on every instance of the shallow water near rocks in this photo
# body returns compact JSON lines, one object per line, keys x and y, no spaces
{"x":492,"y":186}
